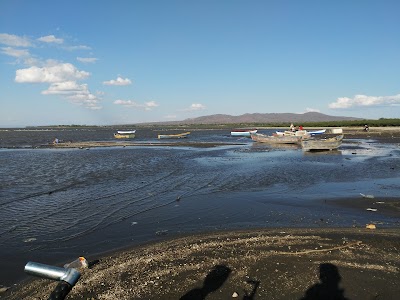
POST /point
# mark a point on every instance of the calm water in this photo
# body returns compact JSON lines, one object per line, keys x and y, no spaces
{"x":58,"y":204}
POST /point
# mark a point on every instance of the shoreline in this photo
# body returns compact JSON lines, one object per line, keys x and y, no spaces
{"x":382,"y":134}
{"x":276,"y":263}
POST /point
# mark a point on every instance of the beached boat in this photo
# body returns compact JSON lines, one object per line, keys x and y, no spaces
{"x":243,"y":132}
{"x":126,"y":131}
{"x":124,"y":136}
{"x":276,"y":139}
{"x":301,"y":132}
{"x":174,"y":136}
{"x":322,"y":144}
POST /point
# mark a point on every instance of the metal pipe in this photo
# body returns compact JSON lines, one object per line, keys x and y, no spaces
{"x":68,"y":275}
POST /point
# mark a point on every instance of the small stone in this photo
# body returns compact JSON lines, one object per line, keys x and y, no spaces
{"x":370,"y":226}
{"x":235,"y":295}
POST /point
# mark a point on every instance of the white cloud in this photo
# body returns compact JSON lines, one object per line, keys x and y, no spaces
{"x":86,"y":99}
{"x":14,"y":40}
{"x":15,"y":52}
{"x":87,"y":59}
{"x":66,"y":87}
{"x":51,"y":74}
{"x":50,"y":39}
{"x":79,"y":47}
{"x":194,"y":107}
{"x":118,"y":81}
{"x":74,"y":92}
{"x":308,"y":109}
{"x":129,"y":103}
{"x":363,"y":100}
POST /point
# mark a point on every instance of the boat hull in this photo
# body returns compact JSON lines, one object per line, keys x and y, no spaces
{"x":126,"y":131}
{"x":276,"y":139}
{"x":174,"y":136}
{"x":246,"y":133}
{"x":322,"y":144}
{"x":124,"y":136}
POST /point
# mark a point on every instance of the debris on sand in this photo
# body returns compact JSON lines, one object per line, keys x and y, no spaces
{"x":372,"y":209}
{"x":370,"y":226}
{"x":367,"y":196}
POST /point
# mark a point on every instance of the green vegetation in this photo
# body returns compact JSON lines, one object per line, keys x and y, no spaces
{"x":382,"y":122}
{"x":353,"y":123}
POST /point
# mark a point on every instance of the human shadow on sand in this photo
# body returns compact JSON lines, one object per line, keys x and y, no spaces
{"x":213,"y":281}
{"x":255,"y":285}
{"x":328,"y":287}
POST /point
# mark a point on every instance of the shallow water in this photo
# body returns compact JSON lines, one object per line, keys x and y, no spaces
{"x":58,"y":204}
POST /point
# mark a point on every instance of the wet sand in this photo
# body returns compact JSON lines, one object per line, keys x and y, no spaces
{"x":93,"y":144}
{"x":352,"y":263}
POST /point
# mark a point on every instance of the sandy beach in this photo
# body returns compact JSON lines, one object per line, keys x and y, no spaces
{"x":352,"y":263}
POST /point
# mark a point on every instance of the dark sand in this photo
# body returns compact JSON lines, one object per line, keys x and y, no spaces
{"x":353,"y":263}
{"x":284,"y":263}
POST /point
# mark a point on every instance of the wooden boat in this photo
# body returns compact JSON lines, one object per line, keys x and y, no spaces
{"x":301,"y":132}
{"x":276,"y":139}
{"x":243,"y":132}
{"x":124,"y":136}
{"x":126,"y":131}
{"x":174,"y":136}
{"x":322,"y":144}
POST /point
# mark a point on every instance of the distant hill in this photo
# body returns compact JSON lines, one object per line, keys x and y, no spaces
{"x":269,"y":118}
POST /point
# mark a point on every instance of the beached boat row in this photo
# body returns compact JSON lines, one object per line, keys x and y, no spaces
{"x":130,"y":134}
{"x":308,"y":142}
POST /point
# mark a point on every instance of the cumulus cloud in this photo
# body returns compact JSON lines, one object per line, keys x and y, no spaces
{"x":364,"y":100}
{"x":15,"y":52}
{"x":75,"y":93}
{"x":86,"y":99}
{"x":129,"y":103}
{"x":50,"y":39}
{"x":56,"y":73}
{"x":195,"y":106}
{"x":79,"y":47}
{"x":308,"y":109}
{"x":62,"y":77}
{"x":66,"y":87}
{"x":118,"y":81}
{"x":87,"y":59}
{"x":14,"y":40}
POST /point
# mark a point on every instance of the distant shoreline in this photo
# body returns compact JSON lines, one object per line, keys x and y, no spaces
{"x":382,"y":134}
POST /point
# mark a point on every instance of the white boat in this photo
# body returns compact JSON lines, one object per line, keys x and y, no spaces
{"x":126,"y":131}
{"x":317,"y":132}
{"x":243,"y":132}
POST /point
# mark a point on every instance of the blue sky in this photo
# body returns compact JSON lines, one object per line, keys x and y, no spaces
{"x":117,"y":62}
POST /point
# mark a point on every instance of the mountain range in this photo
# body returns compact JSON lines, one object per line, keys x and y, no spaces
{"x":269,"y":118}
